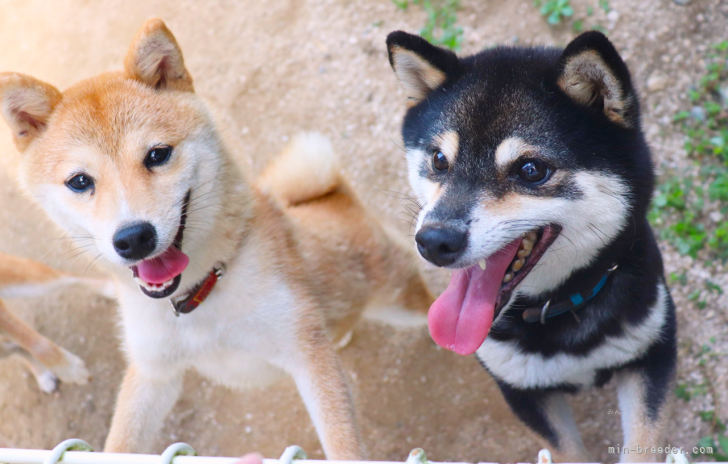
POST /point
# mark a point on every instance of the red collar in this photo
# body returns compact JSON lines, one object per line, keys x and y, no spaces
{"x":199,"y":292}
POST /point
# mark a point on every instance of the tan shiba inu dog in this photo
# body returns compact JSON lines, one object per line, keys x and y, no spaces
{"x":20,"y":277}
{"x":133,"y":159}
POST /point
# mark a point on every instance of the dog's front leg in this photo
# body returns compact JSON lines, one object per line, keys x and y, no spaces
{"x":67,"y":366}
{"x":548,"y":414}
{"x":20,"y":277}
{"x":323,"y":387}
{"x":643,"y":408}
{"x":143,"y":403}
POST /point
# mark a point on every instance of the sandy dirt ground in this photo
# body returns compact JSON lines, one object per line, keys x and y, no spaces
{"x":270,"y":69}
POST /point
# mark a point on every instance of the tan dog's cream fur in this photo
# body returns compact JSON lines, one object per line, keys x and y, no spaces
{"x":48,"y":362}
{"x":304,"y":258}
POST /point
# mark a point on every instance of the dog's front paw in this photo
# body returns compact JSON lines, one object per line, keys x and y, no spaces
{"x":47,"y":381}
{"x":73,"y":370}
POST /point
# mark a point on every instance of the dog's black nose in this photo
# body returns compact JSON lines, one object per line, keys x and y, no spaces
{"x":441,"y":244}
{"x":136,"y":241}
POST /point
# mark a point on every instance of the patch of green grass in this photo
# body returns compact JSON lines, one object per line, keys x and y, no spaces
{"x":441,"y":26}
{"x":681,"y":278}
{"x":677,"y":199}
{"x":713,"y":287}
{"x":680,"y":209}
{"x":717,"y":440}
{"x":554,"y":10}
{"x":695,"y":297}
{"x":683,"y":392}
{"x":557,"y":12}
{"x":719,"y":444}
{"x":706,"y":125}
{"x":686,"y":391}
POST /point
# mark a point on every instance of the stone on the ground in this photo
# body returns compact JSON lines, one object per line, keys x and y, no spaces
{"x":656,"y":82}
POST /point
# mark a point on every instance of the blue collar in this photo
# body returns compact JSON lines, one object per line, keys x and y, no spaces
{"x":573,"y":302}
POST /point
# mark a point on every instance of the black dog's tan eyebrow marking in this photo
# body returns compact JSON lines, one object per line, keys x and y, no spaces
{"x":510,"y":150}
{"x":449,"y":144}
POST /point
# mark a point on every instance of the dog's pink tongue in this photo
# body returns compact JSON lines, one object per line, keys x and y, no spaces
{"x":461,"y":317}
{"x":163,"y":268}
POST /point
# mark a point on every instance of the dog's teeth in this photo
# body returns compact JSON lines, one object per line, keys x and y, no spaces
{"x":508,"y":277}
{"x":527,"y":244}
{"x":153,"y":287}
{"x":482,"y":263}
{"x":518,"y":264}
{"x":532,"y":236}
{"x":522,"y":253}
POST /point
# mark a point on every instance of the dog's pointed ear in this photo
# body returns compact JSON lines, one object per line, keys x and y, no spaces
{"x":591,"y":72}
{"x":26,"y":104}
{"x":420,"y":66}
{"x":155,"y":59}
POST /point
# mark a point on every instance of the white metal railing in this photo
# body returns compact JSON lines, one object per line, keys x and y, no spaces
{"x":76,"y":451}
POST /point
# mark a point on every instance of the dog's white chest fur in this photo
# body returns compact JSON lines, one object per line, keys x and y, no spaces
{"x":527,"y":370}
{"x":236,"y":337}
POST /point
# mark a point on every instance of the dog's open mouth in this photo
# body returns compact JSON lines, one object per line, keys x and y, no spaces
{"x":159,"y":277}
{"x":461,"y":317}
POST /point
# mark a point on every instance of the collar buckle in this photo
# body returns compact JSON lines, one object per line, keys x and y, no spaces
{"x":174,"y":307}
{"x":190,"y":301}
{"x":544,"y":310}
{"x":219,"y":270}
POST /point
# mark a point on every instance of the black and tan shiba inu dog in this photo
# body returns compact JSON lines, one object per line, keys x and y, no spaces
{"x":535,"y":179}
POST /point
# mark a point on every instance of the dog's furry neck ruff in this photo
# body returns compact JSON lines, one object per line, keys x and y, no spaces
{"x":236,"y":188}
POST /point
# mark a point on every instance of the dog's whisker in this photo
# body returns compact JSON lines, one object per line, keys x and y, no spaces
{"x":200,"y":208}
{"x":92,"y":263}
{"x":75,"y":257}
{"x":393,"y":142}
{"x":206,"y":197}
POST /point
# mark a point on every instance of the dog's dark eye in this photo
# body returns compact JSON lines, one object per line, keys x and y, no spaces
{"x":80,"y":183}
{"x":157,"y":156}
{"x":439,"y":161}
{"x":533,"y":170}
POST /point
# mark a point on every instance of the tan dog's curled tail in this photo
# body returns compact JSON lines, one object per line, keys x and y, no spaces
{"x":308,"y":168}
